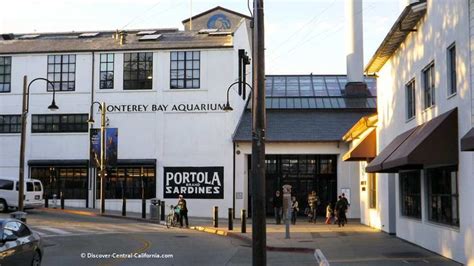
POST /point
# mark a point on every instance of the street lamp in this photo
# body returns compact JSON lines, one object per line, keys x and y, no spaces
{"x":227,"y":107}
{"x":102,"y":107}
{"x":24,"y":114}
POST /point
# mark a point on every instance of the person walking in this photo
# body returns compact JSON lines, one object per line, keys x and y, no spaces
{"x":329,"y":213}
{"x":183,"y":211}
{"x":277,"y":206}
{"x":347,"y":206}
{"x":341,"y":208}
{"x":294,"y":209}
{"x":313,"y":206}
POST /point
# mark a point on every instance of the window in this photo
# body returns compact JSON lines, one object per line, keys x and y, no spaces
{"x":62,"y":72}
{"x":452,"y":88}
{"x":6,"y":184}
{"x":10,"y":123}
{"x":37,"y":186}
{"x":107,"y":71}
{"x":17,"y":228}
{"x":29,"y":186}
{"x":185,"y":70}
{"x":410,"y":99}
{"x":443,"y":203}
{"x":59,"y":123}
{"x":410,"y":194}
{"x":137,"y":71}
{"x":372,"y":191}
{"x":429,"y":85}
{"x":5,"y":73}
{"x":72,"y":181}
{"x":127,"y":182}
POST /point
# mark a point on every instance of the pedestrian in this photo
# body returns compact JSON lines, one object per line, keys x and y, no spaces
{"x":347,"y":206}
{"x":294,"y":209}
{"x":183,"y":211}
{"x":277,"y":206}
{"x":329,"y":213}
{"x":313,"y":206}
{"x":341,"y":209}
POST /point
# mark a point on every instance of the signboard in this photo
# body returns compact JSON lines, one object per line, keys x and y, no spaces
{"x":193,"y":182}
{"x":111,"y":147}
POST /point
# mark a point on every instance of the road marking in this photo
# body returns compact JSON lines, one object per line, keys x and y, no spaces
{"x":54,"y":230}
{"x":320,"y":258}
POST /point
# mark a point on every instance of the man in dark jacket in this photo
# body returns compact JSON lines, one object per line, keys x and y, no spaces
{"x":183,"y":211}
{"x":341,"y":208}
{"x":277,"y":206}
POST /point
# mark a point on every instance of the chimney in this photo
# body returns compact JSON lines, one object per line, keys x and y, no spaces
{"x":356,"y":85}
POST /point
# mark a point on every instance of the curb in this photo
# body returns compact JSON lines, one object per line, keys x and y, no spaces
{"x":247,"y":240}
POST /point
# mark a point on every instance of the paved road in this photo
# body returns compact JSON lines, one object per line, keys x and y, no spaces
{"x":68,"y":237}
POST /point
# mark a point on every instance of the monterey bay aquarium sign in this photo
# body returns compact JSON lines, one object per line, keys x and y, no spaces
{"x":178,"y":107}
{"x":194,"y":182}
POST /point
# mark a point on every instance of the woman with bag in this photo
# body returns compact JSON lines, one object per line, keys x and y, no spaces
{"x":294,"y":209}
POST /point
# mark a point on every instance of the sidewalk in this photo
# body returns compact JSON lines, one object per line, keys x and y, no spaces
{"x":355,"y":243}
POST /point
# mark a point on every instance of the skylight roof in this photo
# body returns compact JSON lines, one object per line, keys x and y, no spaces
{"x":88,"y":34}
{"x":145,"y":32}
{"x":151,"y":37}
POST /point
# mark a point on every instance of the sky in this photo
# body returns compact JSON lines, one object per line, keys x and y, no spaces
{"x":301,"y":36}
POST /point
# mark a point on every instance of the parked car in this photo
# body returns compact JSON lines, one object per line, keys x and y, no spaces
{"x":18,"y":244}
{"x":9,"y":194}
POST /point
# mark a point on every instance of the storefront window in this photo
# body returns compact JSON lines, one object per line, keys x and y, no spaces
{"x":410,"y":194}
{"x":128,"y":182}
{"x":71,"y":181}
{"x":443,"y":204}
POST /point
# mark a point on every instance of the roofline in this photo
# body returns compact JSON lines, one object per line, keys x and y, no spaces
{"x":90,"y":31}
{"x":365,"y":123}
{"x":291,"y":141}
{"x":311,"y":74}
{"x":119,"y":50}
{"x":214,"y":9}
{"x":396,"y":26}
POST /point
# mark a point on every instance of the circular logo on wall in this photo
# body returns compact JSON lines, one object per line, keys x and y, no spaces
{"x":218,"y":21}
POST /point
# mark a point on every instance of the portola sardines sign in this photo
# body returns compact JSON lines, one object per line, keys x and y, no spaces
{"x":194,"y":182}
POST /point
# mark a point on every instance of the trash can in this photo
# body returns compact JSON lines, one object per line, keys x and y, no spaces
{"x":155,"y":209}
{"x":19,"y":216}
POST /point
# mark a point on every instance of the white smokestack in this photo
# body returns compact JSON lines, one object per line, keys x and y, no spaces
{"x":354,"y":41}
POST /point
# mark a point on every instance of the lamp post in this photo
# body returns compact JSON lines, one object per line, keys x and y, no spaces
{"x":102,"y":107}
{"x":24,"y":114}
{"x":227,"y":107}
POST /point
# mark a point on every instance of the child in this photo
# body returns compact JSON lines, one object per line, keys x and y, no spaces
{"x":329,"y":213}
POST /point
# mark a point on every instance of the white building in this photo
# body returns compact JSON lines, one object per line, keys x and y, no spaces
{"x":165,"y":91}
{"x":423,"y":188}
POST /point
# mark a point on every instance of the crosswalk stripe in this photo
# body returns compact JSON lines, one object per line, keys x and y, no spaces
{"x":54,"y":230}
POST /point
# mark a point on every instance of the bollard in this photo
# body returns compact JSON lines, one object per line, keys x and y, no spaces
{"x":162,"y":210}
{"x":46,"y":201}
{"x":215,"y":217}
{"x":231,"y":219}
{"x":124,"y":206}
{"x":143,"y":208}
{"x":62,"y":201}
{"x":243,"y":221}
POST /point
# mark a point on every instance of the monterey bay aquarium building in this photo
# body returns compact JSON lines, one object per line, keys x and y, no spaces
{"x":165,"y":92}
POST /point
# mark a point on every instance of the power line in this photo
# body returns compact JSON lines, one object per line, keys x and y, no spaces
{"x":135,"y":18}
{"x":146,"y":18}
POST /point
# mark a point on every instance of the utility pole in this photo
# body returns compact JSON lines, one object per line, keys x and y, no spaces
{"x":102,"y":157}
{"x":259,"y":236}
{"x":24,"y":113}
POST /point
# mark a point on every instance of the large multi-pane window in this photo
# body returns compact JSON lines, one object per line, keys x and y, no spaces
{"x":138,"y":71}
{"x":185,"y":70}
{"x":71,"y":181}
{"x":451,"y":59}
{"x":443,"y":198}
{"x":429,"y":85}
{"x":10,"y":123}
{"x":106,"y":71}
{"x":128,"y":182}
{"x":372,"y":191}
{"x":62,"y":72}
{"x":410,"y":194}
{"x":410,"y":99}
{"x":5,"y":73}
{"x":59,"y":123}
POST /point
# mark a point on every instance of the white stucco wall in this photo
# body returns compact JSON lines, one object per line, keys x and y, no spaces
{"x":445,"y":22}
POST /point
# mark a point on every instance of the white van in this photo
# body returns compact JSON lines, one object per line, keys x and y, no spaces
{"x":9,"y":194}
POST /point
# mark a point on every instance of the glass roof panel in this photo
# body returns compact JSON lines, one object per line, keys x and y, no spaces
{"x":319,"y":103}
{"x":290,"y":104}
{"x":297,"y":103}
{"x":292,"y":87}
{"x":282,"y":103}
{"x":279,"y":86}
{"x":305,"y":103}
{"x":268,"y":86}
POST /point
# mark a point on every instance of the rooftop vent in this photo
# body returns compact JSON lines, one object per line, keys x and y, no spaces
{"x":29,"y":36}
{"x":151,"y":37}
{"x":8,"y":36}
{"x":88,"y":35}
{"x":145,"y":32}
